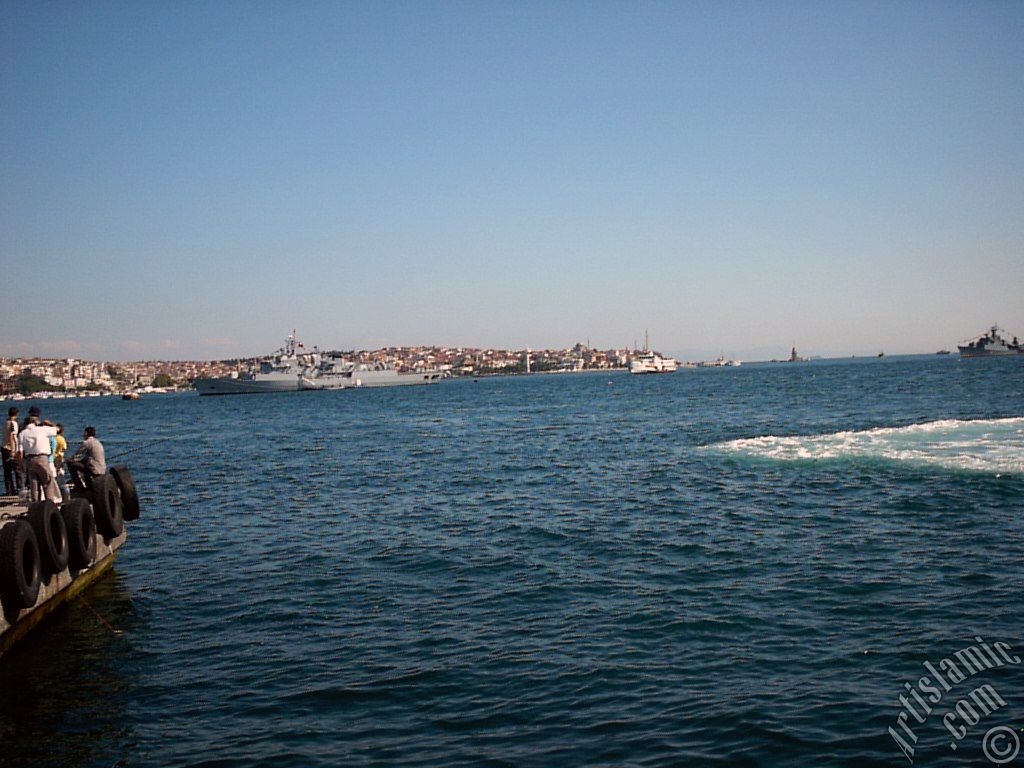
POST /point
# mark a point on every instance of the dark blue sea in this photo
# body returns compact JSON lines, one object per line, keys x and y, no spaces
{"x":742,"y":566}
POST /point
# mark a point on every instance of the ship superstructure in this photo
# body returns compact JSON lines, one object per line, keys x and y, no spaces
{"x":335,"y":372}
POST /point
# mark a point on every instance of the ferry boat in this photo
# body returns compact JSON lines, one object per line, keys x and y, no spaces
{"x":652,"y":362}
{"x":990,"y":344}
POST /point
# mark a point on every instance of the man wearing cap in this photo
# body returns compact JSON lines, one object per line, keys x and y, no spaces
{"x":9,"y":449}
{"x":35,"y":452}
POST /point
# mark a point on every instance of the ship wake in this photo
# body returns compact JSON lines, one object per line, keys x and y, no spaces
{"x":980,"y":445}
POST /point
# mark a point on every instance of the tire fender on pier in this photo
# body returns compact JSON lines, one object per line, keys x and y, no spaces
{"x":51,"y":536}
{"x":106,"y":506}
{"x":19,"y":566}
{"x":81,"y":526}
{"x":129,"y":496}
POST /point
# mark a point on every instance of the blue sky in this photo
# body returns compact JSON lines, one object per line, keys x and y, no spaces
{"x":196,"y":179}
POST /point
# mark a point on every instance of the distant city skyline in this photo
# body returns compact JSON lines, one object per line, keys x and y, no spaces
{"x":94,"y":352}
{"x":194,"y":181}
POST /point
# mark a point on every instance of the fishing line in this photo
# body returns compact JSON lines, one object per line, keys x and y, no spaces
{"x":150,"y":444}
{"x":104,"y":622}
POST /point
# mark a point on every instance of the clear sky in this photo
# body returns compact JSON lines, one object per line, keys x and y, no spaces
{"x":195,"y":179}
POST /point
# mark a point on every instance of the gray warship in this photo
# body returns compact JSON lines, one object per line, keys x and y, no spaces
{"x":990,"y":344}
{"x":278,"y":373}
{"x":292,"y":369}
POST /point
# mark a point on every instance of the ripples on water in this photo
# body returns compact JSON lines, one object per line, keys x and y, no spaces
{"x":595,"y":569}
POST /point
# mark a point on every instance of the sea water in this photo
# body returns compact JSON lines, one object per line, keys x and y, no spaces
{"x":718,"y":566}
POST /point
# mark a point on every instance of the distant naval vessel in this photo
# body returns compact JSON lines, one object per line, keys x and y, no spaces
{"x":278,"y":373}
{"x":990,"y":344}
{"x":291,"y":369}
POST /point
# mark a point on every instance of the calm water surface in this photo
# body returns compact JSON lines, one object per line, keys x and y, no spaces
{"x":738,"y":566}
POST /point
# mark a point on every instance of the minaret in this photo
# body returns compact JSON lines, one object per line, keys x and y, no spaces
{"x":527,"y":359}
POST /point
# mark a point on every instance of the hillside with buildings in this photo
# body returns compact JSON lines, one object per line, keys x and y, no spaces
{"x":24,"y":377}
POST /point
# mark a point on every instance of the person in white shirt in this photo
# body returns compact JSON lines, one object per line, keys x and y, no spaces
{"x":35,"y":452}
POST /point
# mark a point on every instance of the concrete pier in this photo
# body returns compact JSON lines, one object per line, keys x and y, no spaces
{"x":57,"y":589}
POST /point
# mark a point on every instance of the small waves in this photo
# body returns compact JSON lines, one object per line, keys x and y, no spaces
{"x":979,"y":445}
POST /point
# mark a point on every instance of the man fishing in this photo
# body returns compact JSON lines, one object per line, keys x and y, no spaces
{"x":88,"y":461}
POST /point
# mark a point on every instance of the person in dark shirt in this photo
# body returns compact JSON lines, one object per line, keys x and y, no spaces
{"x":10,"y":451}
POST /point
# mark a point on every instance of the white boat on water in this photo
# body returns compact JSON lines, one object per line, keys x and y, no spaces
{"x":652,"y":362}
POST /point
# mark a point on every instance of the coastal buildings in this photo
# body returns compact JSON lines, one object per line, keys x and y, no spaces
{"x":28,"y":376}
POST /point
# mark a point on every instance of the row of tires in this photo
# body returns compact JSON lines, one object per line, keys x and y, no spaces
{"x":48,"y":539}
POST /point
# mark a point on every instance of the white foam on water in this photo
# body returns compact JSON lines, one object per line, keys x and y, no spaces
{"x":982,"y":445}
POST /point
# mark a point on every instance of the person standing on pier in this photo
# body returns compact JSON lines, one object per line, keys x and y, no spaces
{"x":9,"y":449}
{"x":88,"y":461}
{"x":60,"y":447}
{"x":35,"y":451}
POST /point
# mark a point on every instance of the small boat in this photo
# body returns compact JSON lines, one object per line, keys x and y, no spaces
{"x":881,"y":354}
{"x":942,"y":352}
{"x":130,"y":396}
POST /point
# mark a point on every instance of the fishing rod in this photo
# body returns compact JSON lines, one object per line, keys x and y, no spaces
{"x":138,"y":448}
{"x":150,"y":444}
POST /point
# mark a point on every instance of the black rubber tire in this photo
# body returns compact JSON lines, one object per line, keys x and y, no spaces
{"x":81,"y":525}
{"x":106,"y":506}
{"x":129,"y":496}
{"x":51,"y":536}
{"x":19,"y":566}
